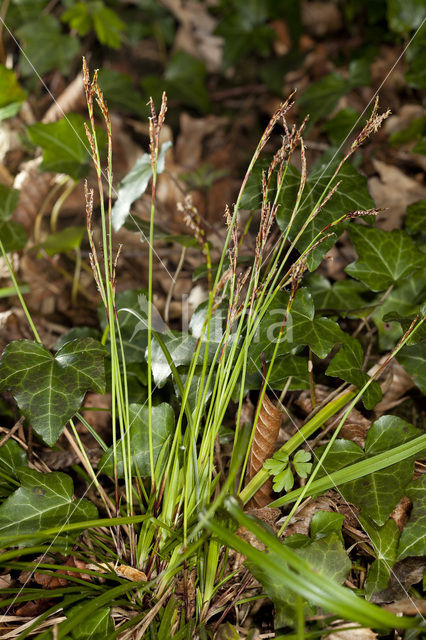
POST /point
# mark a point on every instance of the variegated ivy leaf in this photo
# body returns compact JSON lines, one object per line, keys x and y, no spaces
{"x":49,"y":389}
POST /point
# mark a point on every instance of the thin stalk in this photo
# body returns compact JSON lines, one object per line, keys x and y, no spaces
{"x":18,"y":293}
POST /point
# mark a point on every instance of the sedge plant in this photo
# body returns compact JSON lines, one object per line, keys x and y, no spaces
{"x":175,"y":526}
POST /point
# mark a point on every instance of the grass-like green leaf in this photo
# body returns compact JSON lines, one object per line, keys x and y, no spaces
{"x":43,"y":500}
{"x":359,"y":469}
{"x":162,"y":428}
{"x":296,"y":573}
{"x":385,"y":257}
{"x":413,"y":537}
{"x":50,"y":389}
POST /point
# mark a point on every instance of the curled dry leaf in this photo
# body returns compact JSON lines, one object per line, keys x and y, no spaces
{"x":71,"y":99}
{"x":393,"y":395}
{"x":34,"y":187}
{"x":401,"y":513}
{"x":262,"y":448}
{"x":352,"y":634}
{"x":393,"y":190}
{"x":130,"y":573}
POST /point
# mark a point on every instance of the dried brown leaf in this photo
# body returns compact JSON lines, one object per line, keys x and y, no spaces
{"x":352,"y":634}
{"x":71,"y":99}
{"x":34,"y":186}
{"x":262,"y":448}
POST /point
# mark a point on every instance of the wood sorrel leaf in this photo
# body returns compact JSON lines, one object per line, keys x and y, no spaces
{"x":50,"y":389}
{"x":162,"y":428}
{"x":385,"y":257}
{"x":413,"y":538}
{"x":44,"y":500}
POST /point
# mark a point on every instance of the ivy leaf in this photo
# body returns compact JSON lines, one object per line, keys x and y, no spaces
{"x":405,"y":15}
{"x":50,"y":389}
{"x":84,"y":16}
{"x":98,"y":626}
{"x":347,"y":365}
{"x":352,"y":194}
{"x":181,"y":347}
{"x":385,"y":257}
{"x":44,"y":500}
{"x":13,"y":236}
{"x":420,"y":147}
{"x":11,"y":94}
{"x":302,"y":328}
{"x":12,"y":458}
{"x":163,"y":422}
{"x":186,"y":80}
{"x":134,"y":184}
{"x":120,"y":93}
{"x":46,"y":46}
{"x":413,"y":537}
{"x":321,"y":97}
{"x":378,"y":493}
{"x":65,"y":146}
{"x":413,"y":358}
{"x":341,"y":125}
{"x":415,"y":217}
{"x":8,"y":200}
{"x":404,"y":300}
{"x":343,"y":296}
{"x":62,"y":241}
{"x":325,"y":522}
{"x":327,"y":554}
{"x":385,"y":542}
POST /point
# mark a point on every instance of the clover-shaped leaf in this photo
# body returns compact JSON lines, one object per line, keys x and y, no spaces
{"x":50,"y":389}
{"x":284,"y":480}
{"x":301,"y":463}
